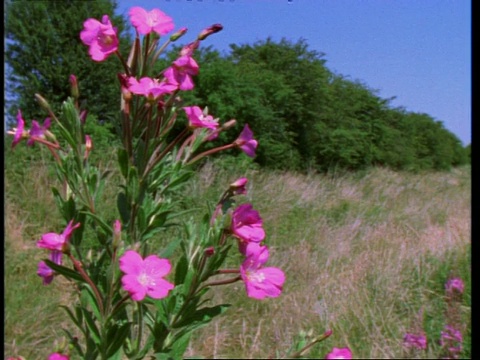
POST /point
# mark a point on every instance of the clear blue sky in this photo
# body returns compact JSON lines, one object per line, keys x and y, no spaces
{"x":416,"y":50}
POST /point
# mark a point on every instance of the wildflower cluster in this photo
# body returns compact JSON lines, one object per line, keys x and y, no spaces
{"x":140,"y":295}
{"x":451,"y":336}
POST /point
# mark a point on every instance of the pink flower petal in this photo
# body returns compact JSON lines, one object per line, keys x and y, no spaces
{"x":131,"y":263}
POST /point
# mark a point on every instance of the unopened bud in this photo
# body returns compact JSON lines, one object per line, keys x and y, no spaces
{"x":50,"y":136}
{"x":238,"y":186}
{"x":126,"y":94}
{"x":88,"y":145}
{"x":74,"y":86}
{"x":83,"y":116}
{"x":209,"y":31}
{"x":188,"y":50}
{"x":117,"y":233}
{"x":178,"y":34}
{"x":209,"y":251}
{"x":229,"y":124}
{"x":43,"y":103}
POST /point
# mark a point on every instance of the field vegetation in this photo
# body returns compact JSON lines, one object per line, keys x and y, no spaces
{"x":366,"y":254}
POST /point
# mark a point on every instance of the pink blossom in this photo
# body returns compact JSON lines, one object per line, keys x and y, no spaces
{"x":197,"y":119}
{"x":339,"y":353}
{"x":413,"y":340}
{"x":238,"y":186}
{"x":260,"y":282}
{"x":101,"y":37}
{"x":150,"y":88}
{"x":145,"y":277}
{"x":247,"y":224}
{"x":147,"y":21}
{"x":37,"y":131}
{"x":454,"y":285}
{"x":58,"y":356}
{"x":54,"y":241}
{"x":20,"y":132}
{"x":246,"y":142}
{"x":450,"y":334}
{"x":44,"y":271}
{"x":181,"y":72}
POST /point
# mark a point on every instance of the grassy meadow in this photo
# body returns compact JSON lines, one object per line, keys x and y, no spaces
{"x":364,"y":255}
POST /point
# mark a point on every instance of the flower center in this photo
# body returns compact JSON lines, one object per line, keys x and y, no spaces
{"x":144,"y":279}
{"x":256,"y":276}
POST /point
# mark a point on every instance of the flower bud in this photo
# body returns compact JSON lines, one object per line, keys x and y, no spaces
{"x":83,"y":116}
{"x":88,"y":146}
{"x":188,"y":50}
{"x":238,"y":186}
{"x":178,"y":34}
{"x":117,"y":233}
{"x":228,"y":124}
{"x":209,"y":251}
{"x":74,"y":86}
{"x":43,"y":103}
{"x":50,"y":136}
{"x":209,"y":31}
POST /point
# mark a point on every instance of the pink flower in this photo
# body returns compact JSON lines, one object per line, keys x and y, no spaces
{"x":101,"y":37}
{"x":413,"y":340}
{"x":181,"y":72}
{"x":260,"y":282}
{"x":246,"y":142}
{"x":37,"y":131}
{"x":247,"y":224}
{"x":197,"y":119}
{"x":58,"y":356}
{"x":339,"y":353}
{"x":147,"y":21}
{"x":54,"y":241}
{"x":145,"y":277}
{"x":44,"y":271}
{"x":20,"y":132}
{"x":150,"y":88}
{"x":238,"y":186}
{"x":450,"y":334}
{"x":454,"y":285}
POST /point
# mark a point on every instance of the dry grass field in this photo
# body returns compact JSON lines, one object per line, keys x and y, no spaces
{"x":363,"y":254}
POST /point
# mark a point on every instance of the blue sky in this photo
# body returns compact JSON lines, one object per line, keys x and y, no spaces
{"x":416,"y":50}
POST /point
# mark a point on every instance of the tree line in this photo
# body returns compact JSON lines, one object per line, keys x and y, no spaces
{"x":304,"y":116}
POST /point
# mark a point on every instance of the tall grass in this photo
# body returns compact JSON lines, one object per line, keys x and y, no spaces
{"x":363,"y":254}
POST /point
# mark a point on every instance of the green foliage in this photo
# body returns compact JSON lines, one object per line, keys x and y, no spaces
{"x":43,"y":48}
{"x":306,"y":118}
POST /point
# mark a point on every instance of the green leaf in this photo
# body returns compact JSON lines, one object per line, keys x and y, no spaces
{"x":181,"y":270}
{"x":203,"y":316}
{"x":168,"y":251}
{"x":68,"y":273}
{"x":77,"y":322}
{"x":123,"y":162}
{"x":90,"y":322}
{"x":107,"y":228}
{"x":89,"y":298}
{"x":115,"y":338}
{"x":177,"y":349}
{"x":123,"y":207}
